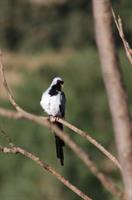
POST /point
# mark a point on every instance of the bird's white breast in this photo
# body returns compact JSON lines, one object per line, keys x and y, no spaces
{"x":51,"y":104}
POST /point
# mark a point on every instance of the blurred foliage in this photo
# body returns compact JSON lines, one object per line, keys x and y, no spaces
{"x":25,"y":25}
{"x":42,"y":30}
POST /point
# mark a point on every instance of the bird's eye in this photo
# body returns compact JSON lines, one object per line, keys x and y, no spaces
{"x":60,"y":82}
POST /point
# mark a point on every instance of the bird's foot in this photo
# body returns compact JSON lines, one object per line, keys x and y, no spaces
{"x":56,"y":119}
{"x":53,"y":119}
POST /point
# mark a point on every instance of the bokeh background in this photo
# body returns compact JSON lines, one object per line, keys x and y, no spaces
{"x":40,"y":40}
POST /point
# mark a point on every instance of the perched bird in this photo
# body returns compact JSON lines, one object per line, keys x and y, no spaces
{"x":53,"y":103}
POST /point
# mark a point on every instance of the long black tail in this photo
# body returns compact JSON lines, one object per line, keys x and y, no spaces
{"x":59,"y":145}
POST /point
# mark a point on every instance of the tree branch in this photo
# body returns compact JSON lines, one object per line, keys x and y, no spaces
{"x":107,"y":183}
{"x":14,"y":150}
{"x":18,"y":115}
{"x":116,"y":92}
{"x":70,"y":126}
{"x":91,"y":140}
{"x":118,"y":23}
{"x":11,"y":98}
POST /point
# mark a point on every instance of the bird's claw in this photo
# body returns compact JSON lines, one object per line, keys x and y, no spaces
{"x":56,"y":118}
{"x":53,"y":119}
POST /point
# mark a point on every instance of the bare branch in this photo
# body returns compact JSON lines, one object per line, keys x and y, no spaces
{"x":79,"y":152}
{"x":75,"y":129}
{"x":9,"y":141}
{"x":119,"y":26}
{"x":107,"y":183}
{"x":15,"y":150}
{"x":116,"y":92}
{"x":10,"y":114}
{"x":11,"y":98}
{"x":91,"y":140}
{"x":27,"y":154}
{"x":130,"y":51}
{"x":17,"y":115}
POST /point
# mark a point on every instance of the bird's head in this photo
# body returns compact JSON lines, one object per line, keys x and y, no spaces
{"x":57,"y":83}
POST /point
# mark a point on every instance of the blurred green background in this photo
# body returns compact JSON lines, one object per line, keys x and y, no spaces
{"x":40,"y":41}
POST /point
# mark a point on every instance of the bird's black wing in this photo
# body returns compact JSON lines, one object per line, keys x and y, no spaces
{"x":62,"y":104}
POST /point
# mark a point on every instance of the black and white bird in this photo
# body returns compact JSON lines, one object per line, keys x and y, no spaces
{"x":53,"y":103}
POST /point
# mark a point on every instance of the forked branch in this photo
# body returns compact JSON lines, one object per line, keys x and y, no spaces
{"x":119,"y":26}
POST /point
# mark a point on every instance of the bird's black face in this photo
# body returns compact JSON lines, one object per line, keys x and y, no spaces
{"x":60,"y":82}
{"x":56,"y":87}
{"x":59,"y":85}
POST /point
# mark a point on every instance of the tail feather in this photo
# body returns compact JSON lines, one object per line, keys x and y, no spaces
{"x":59,"y":145}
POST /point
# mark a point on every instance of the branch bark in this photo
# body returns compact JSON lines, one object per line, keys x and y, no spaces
{"x":115,"y":89}
{"x":118,"y":23}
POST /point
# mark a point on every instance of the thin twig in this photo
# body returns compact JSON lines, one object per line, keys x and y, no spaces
{"x":91,"y":140}
{"x":119,"y":26}
{"x":11,"y":98}
{"x":9,"y":141}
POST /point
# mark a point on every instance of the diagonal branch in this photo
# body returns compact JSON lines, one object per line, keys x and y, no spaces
{"x":91,"y":140}
{"x":119,"y":26}
{"x":70,"y":126}
{"x":11,"y":98}
{"x":17,"y":115}
{"x":8,"y":140}
{"x":48,"y":168}
{"x":15,"y":150}
{"x":107,"y":183}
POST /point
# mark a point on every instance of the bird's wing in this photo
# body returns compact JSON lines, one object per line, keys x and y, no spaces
{"x":62,"y":104}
